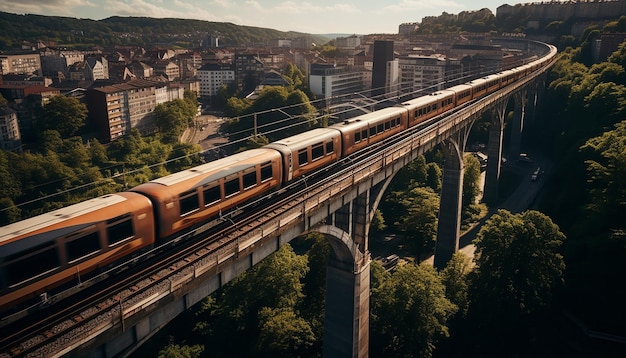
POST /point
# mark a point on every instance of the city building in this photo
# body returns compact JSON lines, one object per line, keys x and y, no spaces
{"x":27,"y":63}
{"x":116,"y":109}
{"x":249,"y":72}
{"x":383,"y":53}
{"x":327,"y":81}
{"x":10,"y":138}
{"x":96,"y":68}
{"x":408,"y":28}
{"x":421,"y":73}
{"x":212,"y":77}
{"x":348,"y":43}
{"x":167,"y":69}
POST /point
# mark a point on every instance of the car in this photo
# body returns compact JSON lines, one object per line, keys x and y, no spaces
{"x":524,"y":159}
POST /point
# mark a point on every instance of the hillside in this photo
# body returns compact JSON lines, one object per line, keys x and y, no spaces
{"x":140,"y":31}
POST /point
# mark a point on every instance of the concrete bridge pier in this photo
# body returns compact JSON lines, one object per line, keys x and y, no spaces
{"x":346,"y":317}
{"x":517,"y":124}
{"x":494,"y":153}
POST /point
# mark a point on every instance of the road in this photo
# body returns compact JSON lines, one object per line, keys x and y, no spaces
{"x":206,"y":132}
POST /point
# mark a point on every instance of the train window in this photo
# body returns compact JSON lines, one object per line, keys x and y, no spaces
{"x":212,"y":195}
{"x":231,"y":187}
{"x":364,"y":134}
{"x":249,"y":180}
{"x":357,"y":137}
{"x":330,"y":147}
{"x":379,"y":128}
{"x":266,"y":171}
{"x":372,"y":131}
{"x":120,"y":229}
{"x":317,"y":151}
{"x":303,"y":157}
{"x":30,"y":263}
{"x":398,"y":121}
{"x":82,"y":246}
{"x":188,"y":202}
{"x":387,"y":125}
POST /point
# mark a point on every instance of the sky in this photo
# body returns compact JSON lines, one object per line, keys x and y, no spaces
{"x":312,"y":16}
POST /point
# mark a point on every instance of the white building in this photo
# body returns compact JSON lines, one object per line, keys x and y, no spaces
{"x":212,"y":77}
{"x":329,"y":81}
{"x":421,"y":73}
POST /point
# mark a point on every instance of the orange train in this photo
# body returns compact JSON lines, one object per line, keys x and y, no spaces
{"x":43,"y":253}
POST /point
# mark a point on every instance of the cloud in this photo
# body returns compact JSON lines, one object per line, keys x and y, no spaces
{"x":50,"y":7}
{"x":413,"y":5}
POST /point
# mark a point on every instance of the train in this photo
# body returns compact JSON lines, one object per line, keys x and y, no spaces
{"x":48,"y":252}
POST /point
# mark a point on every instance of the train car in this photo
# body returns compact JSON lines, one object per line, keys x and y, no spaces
{"x":508,"y":77}
{"x":484,"y":85}
{"x":193,"y":196}
{"x":61,"y":247}
{"x":306,"y":152}
{"x":423,"y":108}
{"x":462,"y":93}
{"x":370,"y":128}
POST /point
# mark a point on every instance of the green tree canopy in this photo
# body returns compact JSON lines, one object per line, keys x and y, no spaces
{"x":519,"y":267}
{"x":409,"y":313}
{"x":64,"y":114}
{"x":607,"y":175}
{"x":419,"y":219}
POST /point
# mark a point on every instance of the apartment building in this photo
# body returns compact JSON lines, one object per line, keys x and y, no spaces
{"x":421,"y":73}
{"x":212,"y":77}
{"x":96,"y":68}
{"x":116,"y":109}
{"x":9,"y":130}
{"x":28,"y":63}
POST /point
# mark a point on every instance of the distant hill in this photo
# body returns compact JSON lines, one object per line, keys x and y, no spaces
{"x":140,"y":31}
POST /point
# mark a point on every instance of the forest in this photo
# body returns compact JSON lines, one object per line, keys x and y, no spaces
{"x":87,"y":34}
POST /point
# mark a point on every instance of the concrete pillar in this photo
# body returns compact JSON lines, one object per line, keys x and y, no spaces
{"x":346,"y":317}
{"x":517,"y":124}
{"x":450,"y":208}
{"x":494,"y":154}
{"x":347,"y":309}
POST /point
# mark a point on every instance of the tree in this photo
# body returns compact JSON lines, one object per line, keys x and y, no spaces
{"x":419,"y":221}
{"x":471,"y":189}
{"x":176,"y":351}
{"x":518,"y":269}
{"x":606,"y":165}
{"x":409,"y":313}
{"x":471,"y":178}
{"x":283,"y":333}
{"x":433,"y":177}
{"x":455,"y":278}
{"x":175,"y":116}
{"x":260,"y":305}
{"x":64,"y":114}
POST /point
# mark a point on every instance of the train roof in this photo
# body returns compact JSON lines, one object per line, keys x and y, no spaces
{"x":224,"y":166}
{"x":305,"y":139}
{"x":11,"y":231}
{"x":365,"y":119}
{"x":427,"y":98}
